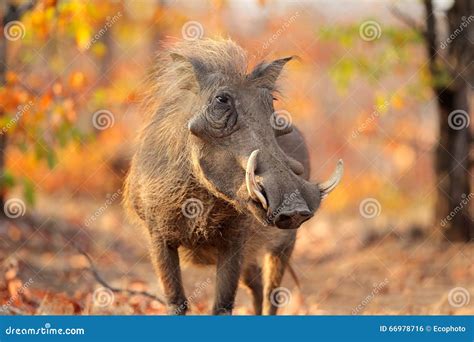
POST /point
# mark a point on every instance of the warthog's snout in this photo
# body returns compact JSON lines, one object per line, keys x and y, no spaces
{"x":287,"y":199}
{"x":292,"y":219}
{"x":290,"y":211}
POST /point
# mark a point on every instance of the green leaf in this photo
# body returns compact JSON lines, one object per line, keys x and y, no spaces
{"x":23,"y":146}
{"x":343,"y":73}
{"x":7,"y":180}
{"x":29,"y":192}
{"x":51,"y":158}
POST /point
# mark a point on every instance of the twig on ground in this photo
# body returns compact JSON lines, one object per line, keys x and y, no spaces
{"x":101,"y":280}
{"x":16,"y":311}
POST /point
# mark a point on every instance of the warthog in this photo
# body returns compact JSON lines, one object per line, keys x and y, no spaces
{"x":214,"y":179}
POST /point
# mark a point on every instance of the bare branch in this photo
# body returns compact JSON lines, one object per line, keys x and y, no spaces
{"x":407,"y":20}
{"x":16,"y":311}
{"x":431,"y":36}
{"x":101,"y":280}
{"x":15,"y":12}
{"x":26,"y":7}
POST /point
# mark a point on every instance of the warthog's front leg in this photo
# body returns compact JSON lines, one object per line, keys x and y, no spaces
{"x":229,"y":262}
{"x":165,"y":259}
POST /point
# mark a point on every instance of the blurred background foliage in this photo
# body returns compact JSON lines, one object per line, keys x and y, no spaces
{"x":372,"y":102}
{"x":339,"y":83}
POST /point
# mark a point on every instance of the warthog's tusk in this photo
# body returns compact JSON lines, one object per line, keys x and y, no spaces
{"x":329,"y":185}
{"x":253,"y":187}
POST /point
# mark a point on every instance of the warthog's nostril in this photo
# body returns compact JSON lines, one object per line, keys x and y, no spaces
{"x":282,"y":221}
{"x":293,"y":219}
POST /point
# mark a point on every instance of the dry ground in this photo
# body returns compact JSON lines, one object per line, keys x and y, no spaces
{"x":344,"y":267}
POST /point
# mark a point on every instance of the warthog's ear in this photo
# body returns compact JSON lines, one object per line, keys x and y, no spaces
{"x":266,"y":74}
{"x":200,"y":70}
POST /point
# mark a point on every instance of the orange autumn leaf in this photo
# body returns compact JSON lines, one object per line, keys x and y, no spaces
{"x":45,"y":101}
{"x":77,"y":80}
{"x":49,"y":3}
{"x":404,"y":157}
{"x":14,"y":233}
{"x":11,"y":77}
{"x":14,"y":287}
{"x":83,"y":36}
{"x":397,"y":101}
{"x":57,"y":89}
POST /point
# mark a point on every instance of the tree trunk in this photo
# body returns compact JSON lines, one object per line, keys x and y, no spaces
{"x":452,"y":169}
{"x":452,"y":165}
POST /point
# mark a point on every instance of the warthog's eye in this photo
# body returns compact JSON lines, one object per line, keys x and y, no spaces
{"x":221,"y":116}
{"x":222,"y":98}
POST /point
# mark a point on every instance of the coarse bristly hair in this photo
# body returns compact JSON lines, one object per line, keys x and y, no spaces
{"x":161,"y":175}
{"x":164,"y":173}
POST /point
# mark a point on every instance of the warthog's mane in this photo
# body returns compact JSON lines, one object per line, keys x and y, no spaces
{"x":161,"y":175}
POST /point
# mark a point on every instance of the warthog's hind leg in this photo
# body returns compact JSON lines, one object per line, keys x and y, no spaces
{"x":252,"y":278}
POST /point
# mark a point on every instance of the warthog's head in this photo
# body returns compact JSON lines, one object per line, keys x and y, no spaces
{"x":234,"y":147}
